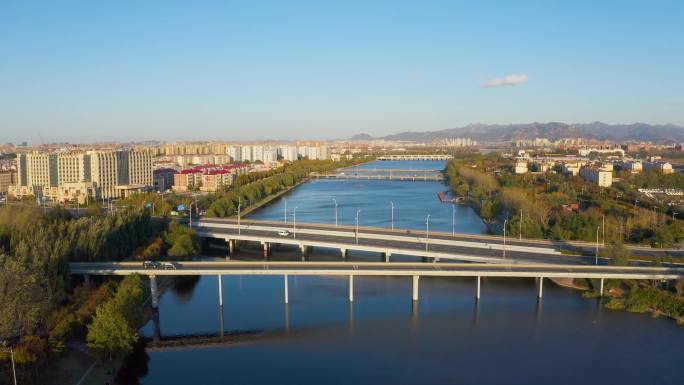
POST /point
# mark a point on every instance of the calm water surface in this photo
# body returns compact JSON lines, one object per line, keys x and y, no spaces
{"x":382,"y":338}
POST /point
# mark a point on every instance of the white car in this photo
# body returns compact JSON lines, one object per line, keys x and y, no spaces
{"x":283,"y":233}
{"x":169,"y":265}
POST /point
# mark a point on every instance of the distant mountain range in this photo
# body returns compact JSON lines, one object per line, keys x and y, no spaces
{"x":551,"y":131}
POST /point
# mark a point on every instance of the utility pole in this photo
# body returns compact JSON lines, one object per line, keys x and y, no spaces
{"x":294,"y":222}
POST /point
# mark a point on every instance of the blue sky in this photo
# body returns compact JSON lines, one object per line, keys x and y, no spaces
{"x":84,"y":71}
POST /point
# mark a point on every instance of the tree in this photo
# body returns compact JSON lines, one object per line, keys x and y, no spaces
{"x":617,"y":253}
{"x":129,"y":299}
{"x":110,"y":332}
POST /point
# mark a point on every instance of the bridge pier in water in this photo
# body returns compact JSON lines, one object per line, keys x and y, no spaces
{"x":287,"y":297}
{"x":541,"y":287}
{"x":415,"y":287}
{"x":344,"y":253}
{"x":387,"y":256}
{"x":477,"y":293}
{"x":601,"y":288}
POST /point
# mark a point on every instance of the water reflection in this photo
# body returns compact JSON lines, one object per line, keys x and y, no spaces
{"x":183,"y":286}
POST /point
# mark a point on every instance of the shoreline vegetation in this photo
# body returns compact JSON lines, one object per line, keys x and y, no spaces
{"x":59,"y":313}
{"x":496,"y":193}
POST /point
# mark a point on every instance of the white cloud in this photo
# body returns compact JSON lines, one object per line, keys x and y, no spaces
{"x":508,"y":80}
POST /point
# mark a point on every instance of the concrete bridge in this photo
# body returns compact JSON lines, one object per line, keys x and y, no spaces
{"x":413,"y":178}
{"x":433,"y":246}
{"x":413,"y":271}
{"x":453,"y":245}
{"x":415,"y":157}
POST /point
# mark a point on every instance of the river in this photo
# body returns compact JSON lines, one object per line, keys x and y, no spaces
{"x":383,"y":338}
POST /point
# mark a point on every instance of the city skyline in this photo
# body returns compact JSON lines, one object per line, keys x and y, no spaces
{"x":85,"y":73}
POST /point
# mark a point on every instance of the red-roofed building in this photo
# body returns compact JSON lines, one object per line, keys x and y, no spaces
{"x":209,"y":177}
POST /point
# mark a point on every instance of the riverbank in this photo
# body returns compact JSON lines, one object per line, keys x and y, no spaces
{"x":269,"y":199}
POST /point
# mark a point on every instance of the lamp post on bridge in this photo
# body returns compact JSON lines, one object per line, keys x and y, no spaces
{"x":239,"y":207}
{"x":504,"y":238}
{"x":285,"y":210}
{"x":453,"y":219}
{"x":597,"y":245}
{"x":294,"y":222}
{"x":335,"y":202}
{"x":392,"y":217}
{"x":427,"y":232}
{"x":357,"y":226}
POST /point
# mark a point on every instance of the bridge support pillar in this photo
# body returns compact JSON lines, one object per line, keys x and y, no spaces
{"x":477,"y":294}
{"x":415,"y":287}
{"x":287,"y":297}
{"x":220,"y":290}
{"x":351,"y":288}
{"x":267,"y":249}
{"x":154,"y":292}
{"x":601,"y":288}
{"x":343,"y":252}
{"x":541,"y":287}
{"x":387,"y":257}
{"x":231,"y":248}
{"x":305,"y":251}
{"x":435,"y":259}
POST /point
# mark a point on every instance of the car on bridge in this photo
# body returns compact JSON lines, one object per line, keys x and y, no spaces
{"x":169,"y":265}
{"x":151,"y":265}
{"x":284,"y":233}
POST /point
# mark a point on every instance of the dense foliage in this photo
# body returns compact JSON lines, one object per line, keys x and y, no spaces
{"x":114,"y":327}
{"x":545,"y":200}
{"x":35,"y":247}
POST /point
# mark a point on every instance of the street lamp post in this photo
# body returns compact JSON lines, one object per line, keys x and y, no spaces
{"x":294,"y":222}
{"x":504,"y":236}
{"x":453,"y":219}
{"x":285,"y":210}
{"x":357,"y":226}
{"x":597,"y":245}
{"x":427,"y":232}
{"x":239,"y":207}
{"x":14,"y":371}
{"x":392,"y":217}
{"x":603,"y":230}
{"x":335,"y":202}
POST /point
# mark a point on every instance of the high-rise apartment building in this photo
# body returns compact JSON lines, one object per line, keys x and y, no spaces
{"x":100,"y":173}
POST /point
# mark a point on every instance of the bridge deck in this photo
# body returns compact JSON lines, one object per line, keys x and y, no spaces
{"x":381,"y":269}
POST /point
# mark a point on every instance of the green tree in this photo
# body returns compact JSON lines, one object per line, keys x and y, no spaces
{"x":110,"y":332}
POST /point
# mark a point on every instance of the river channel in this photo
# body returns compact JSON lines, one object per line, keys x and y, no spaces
{"x":382,"y":337}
